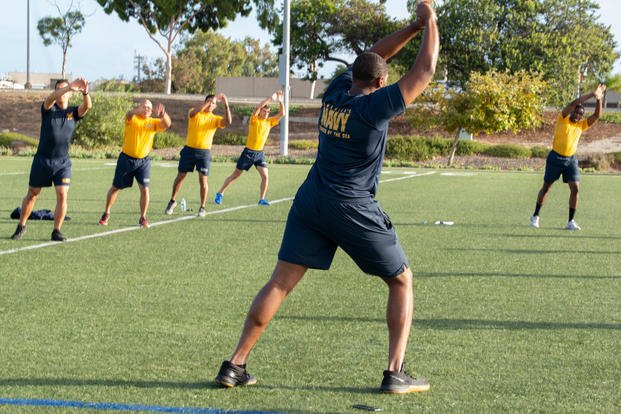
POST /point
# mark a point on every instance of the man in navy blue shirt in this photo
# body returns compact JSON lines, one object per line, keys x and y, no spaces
{"x":336,"y":206}
{"x":51,"y":163}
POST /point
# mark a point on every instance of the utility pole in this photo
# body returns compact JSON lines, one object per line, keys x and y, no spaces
{"x":28,"y":85}
{"x":284,"y":78}
{"x":138,"y":65}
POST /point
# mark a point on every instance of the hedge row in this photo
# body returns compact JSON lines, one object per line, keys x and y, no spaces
{"x":411,"y":148}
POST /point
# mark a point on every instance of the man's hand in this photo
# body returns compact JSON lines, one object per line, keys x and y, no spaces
{"x":599,"y":91}
{"x":80,"y":84}
{"x":424,"y":12}
{"x":159,"y":110}
{"x":278,"y":96}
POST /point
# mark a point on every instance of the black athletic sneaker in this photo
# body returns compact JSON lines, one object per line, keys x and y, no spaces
{"x":232,"y":375}
{"x":58,"y":236}
{"x":400,"y":382}
{"x":19,"y":232}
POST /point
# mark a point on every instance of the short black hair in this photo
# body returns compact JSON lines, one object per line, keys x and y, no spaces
{"x":368,"y":67}
{"x":579,"y":106}
{"x":208,"y":97}
{"x":59,"y":81}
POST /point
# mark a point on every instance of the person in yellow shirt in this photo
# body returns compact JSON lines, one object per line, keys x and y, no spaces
{"x":134,"y":161}
{"x":258,"y":131}
{"x":202,"y":125}
{"x":562,"y":159}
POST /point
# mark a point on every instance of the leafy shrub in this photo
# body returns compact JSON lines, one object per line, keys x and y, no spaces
{"x":303,"y":144}
{"x":611,"y":117}
{"x":8,"y":138}
{"x":229,"y":138}
{"x":465,"y":148}
{"x":167,"y":139}
{"x":104,"y":123}
{"x":242,"y":110}
{"x":117,"y":85}
{"x":507,"y":151}
{"x":409,"y":149}
{"x":539,"y":151}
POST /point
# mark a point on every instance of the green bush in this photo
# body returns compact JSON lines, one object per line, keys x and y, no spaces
{"x":103,"y":124}
{"x":611,"y":117}
{"x":7,"y":138}
{"x":242,"y":110}
{"x":167,"y":139}
{"x":539,"y":152}
{"x":507,"y":151}
{"x":229,"y":138}
{"x":408,"y":148}
{"x":617,"y":156}
{"x":117,"y":85}
{"x":303,"y":144}
{"x":465,"y":148}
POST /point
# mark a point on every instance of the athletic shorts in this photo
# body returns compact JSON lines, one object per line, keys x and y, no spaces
{"x":194,"y":157}
{"x":45,"y":171}
{"x":128,"y":168}
{"x":317,"y":225}
{"x":557,"y":165}
{"x":249,"y":157}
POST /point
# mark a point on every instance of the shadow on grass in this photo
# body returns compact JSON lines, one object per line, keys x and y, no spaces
{"x":503,"y":274}
{"x":461,"y":324}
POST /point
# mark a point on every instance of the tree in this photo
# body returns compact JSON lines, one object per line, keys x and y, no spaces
{"x":324,"y":30}
{"x":207,"y":55}
{"x":561,"y":39}
{"x":168,"y":19}
{"x":494,"y":102}
{"x":61,"y":30}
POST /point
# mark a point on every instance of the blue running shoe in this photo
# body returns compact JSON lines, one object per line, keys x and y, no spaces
{"x":218,"y":198}
{"x":263,"y":202}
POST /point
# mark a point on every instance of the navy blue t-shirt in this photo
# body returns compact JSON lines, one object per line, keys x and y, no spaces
{"x":57,"y":126}
{"x":352,"y":139}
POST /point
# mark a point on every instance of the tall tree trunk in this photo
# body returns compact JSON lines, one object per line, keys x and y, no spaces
{"x":453,"y":149}
{"x":168,"y":77}
{"x":62,"y":70}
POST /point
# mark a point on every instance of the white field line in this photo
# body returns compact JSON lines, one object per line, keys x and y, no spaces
{"x":73,"y":169}
{"x":175,"y":220}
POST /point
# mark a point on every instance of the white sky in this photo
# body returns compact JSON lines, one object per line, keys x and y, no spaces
{"x":106,"y":46}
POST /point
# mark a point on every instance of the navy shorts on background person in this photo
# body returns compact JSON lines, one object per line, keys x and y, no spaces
{"x":45,"y":171}
{"x":249,"y":157}
{"x":557,"y":165}
{"x":316,"y":226}
{"x":128,"y":167}
{"x":194,"y":157}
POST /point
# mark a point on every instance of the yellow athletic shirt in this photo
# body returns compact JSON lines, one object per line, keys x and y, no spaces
{"x":201,"y":129}
{"x":139,"y":133}
{"x":258,"y":132}
{"x":567,"y":134}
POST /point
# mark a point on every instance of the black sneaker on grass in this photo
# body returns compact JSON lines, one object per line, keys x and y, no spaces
{"x":58,"y":236}
{"x":400,"y":382}
{"x":232,"y":375}
{"x":19,"y":232}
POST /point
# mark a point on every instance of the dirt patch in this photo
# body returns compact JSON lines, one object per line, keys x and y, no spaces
{"x":20,"y":112}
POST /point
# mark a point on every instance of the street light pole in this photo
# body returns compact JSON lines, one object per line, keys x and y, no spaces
{"x":284,"y":78}
{"x":28,"y":85}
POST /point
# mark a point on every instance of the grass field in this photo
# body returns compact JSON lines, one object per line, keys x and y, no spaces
{"x":508,"y":318}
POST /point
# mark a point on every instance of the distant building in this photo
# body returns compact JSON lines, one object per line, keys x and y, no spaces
{"x":249,"y":87}
{"x":37,"y":80}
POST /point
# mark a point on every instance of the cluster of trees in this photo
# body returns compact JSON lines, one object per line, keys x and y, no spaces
{"x":561,"y":43}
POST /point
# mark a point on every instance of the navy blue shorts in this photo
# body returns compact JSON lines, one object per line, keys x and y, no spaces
{"x":45,"y":171}
{"x":249,"y":157}
{"x":128,"y":167}
{"x":557,"y":165}
{"x":317,"y":225}
{"x":194,"y":157}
